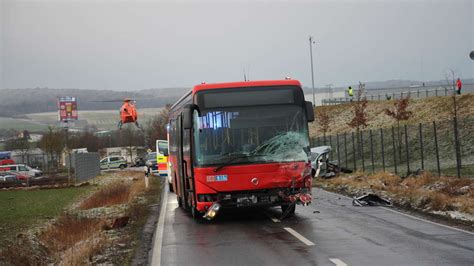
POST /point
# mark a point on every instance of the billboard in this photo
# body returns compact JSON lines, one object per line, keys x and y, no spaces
{"x":67,"y":107}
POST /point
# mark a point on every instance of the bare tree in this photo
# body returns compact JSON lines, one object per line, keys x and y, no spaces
{"x":156,"y":128}
{"x":52,"y":143}
{"x":322,"y":115}
{"x":454,"y":113}
{"x":359,"y":106}
{"x":399,"y":113}
{"x":131,"y":138}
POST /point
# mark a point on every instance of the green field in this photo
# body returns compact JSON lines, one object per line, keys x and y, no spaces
{"x":23,"y":209}
{"x":102,"y":119}
{"x":21,"y":124}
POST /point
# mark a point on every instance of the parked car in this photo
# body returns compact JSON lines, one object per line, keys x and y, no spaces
{"x":139,"y":161}
{"x":111,"y":162}
{"x":12,"y":177}
{"x":23,"y":169}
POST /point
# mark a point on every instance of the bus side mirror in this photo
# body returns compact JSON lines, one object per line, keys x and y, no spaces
{"x":309,"y":111}
{"x":188,"y":111}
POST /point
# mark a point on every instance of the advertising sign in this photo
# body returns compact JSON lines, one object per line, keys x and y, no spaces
{"x":67,"y":107}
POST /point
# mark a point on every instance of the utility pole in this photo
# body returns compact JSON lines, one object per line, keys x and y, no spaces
{"x":66,"y":128}
{"x":311,"y":42}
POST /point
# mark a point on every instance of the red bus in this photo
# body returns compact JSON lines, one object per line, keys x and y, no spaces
{"x":241,"y":144}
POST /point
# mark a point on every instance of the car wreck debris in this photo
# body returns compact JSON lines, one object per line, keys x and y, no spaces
{"x":370,"y":200}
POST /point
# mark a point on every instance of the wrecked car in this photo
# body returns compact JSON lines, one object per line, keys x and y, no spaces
{"x":321,"y":166}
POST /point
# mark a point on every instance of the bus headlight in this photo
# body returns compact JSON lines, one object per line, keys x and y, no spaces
{"x":212,"y":211}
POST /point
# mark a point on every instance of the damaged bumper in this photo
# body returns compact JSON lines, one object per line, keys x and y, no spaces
{"x":255,"y":198}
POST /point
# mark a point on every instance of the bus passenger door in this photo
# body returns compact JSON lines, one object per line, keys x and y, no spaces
{"x":181,"y":189}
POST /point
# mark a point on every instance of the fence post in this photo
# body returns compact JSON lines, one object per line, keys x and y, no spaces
{"x":372,"y":151}
{"x":345,"y":149}
{"x":394,"y":151}
{"x":421,"y":147}
{"x":330,"y":144}
{"x":418,"y":94}
{"x":383,"y":155}
{"x":407,"y":152}
{"x":324,"y":139}
{"x":436,"y":148}
{"x":426,"y":93}
{"x":393,"y":96}
{"x":338,"y":156}
{"x":401,"y":94}
{"x":379,"y":97}
{"x":436,"y":92}
{"x":457,"y":146}
{"x":445,"y":91}
{"x":353,"y":152}
{"x":361,"y":142}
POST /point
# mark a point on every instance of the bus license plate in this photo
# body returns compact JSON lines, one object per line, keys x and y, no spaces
{"x":216,"y":178}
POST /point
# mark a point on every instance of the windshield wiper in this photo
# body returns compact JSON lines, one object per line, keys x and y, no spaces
{"x":231,"y":160}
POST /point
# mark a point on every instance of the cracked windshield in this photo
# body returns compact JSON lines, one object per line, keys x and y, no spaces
{"x":257,"y":134}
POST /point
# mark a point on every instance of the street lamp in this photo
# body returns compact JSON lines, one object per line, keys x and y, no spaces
{"x":311,"y":42}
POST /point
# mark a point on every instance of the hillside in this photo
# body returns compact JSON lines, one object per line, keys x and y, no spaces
{"x":17,"y":102}
{"x":424,"y":111}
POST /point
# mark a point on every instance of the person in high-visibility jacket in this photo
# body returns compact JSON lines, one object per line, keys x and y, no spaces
{"x":350,"y":92}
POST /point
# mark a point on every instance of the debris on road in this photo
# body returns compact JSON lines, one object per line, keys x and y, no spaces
{"x":370,"y":200}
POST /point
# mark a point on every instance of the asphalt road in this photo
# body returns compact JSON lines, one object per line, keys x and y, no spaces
{"x":329,"y":232}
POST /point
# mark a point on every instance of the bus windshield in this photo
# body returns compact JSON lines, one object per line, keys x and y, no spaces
{"x":251,"y":134}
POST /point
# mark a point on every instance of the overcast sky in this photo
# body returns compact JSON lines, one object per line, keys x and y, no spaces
{"x":154,"y":44}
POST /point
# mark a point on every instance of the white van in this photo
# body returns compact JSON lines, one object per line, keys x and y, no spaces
{"x":22,"y":169}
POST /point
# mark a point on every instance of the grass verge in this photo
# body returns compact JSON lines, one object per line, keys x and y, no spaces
{"x":103,"y":228}
{"x":23,"y":209}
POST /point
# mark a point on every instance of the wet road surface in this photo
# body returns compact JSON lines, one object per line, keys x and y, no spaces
{"x":329,"y":232}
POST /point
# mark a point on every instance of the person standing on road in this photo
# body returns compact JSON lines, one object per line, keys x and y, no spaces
{"x":350,"y":92}
{"x":147,"y":174}
{"x":458,"y":86}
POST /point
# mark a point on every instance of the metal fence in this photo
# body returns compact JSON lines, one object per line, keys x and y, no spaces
{"x":397,"y":93}
{"x":407,"y":149}
{"x":85,"y":165}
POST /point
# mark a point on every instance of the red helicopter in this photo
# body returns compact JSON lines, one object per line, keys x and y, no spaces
{"x":128,"y":113}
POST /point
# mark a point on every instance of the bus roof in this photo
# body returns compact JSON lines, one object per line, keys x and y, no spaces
{"x":241,"y":84}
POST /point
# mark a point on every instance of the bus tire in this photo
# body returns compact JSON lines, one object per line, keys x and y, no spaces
{"x":180,"y":203}
{"x":195,"y":214}
{"x":170,"y":186}
{"x":290,"y":208}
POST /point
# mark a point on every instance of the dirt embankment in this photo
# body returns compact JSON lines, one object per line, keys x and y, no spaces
{"x":104,"y":227}
{"x":424,"y":110}
{"x":446,"y":197}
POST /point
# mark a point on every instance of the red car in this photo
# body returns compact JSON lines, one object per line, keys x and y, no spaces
{"x":7,"y":162}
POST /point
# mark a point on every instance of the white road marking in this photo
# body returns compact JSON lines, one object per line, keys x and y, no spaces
{"x":427,"y":221}
{"x":299,"y":236}
{"x":158,"y":241}
{"x":337,"y":262}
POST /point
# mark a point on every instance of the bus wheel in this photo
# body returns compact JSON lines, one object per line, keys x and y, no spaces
{"x":195,"y":214}
{"x":170,"y":186}
{"x":180,"y":203}
{"x":288,"y":209}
